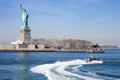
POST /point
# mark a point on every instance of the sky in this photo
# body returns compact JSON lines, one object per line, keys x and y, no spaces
{"x":97,"y":21}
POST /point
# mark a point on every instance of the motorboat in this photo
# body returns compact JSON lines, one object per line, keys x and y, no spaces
{"x":94,"y":61}
{"x":95,"y":49}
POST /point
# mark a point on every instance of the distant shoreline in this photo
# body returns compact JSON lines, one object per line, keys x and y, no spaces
{"x":80,"y":51}
{"x":112,"y":49}
{"x":77,"y":51}
{"x":67,"y":51}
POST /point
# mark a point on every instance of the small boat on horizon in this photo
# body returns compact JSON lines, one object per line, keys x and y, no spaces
{"x":95,"y":49}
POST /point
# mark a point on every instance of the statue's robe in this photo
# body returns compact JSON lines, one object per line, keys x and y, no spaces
{"x":25,"y":18}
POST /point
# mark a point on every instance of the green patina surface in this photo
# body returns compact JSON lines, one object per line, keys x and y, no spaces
{"x":24,"y":17}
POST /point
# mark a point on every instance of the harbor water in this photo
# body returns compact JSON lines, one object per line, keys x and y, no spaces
{"x":58,"y":66}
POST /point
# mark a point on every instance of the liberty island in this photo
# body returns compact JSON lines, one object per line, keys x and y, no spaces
{"x":26,"y":43}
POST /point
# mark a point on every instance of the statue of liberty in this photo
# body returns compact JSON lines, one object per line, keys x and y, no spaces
{"x":24,"y":16}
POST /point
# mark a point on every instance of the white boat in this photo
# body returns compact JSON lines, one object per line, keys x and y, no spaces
{"x":94,"y":61}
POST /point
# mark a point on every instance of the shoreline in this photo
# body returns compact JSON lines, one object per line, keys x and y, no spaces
{"x":80,"y":51}
{"x":68,"y":51}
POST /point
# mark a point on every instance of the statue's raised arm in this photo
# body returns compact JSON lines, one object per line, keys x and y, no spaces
{"x":21,"y":7}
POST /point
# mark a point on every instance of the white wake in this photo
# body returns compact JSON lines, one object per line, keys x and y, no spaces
{"x":56,"y":71}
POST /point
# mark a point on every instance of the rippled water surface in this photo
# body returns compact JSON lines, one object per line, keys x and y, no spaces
{"x":58,"y":66}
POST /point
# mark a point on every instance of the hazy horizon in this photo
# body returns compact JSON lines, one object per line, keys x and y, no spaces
{"x":93,"y":20}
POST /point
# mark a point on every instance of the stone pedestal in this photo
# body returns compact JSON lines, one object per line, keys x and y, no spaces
{"x":25,"y":36}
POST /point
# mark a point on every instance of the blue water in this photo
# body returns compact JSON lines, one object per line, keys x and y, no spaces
{"x":18,"y":65}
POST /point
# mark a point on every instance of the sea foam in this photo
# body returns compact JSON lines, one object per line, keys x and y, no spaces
{"x":57,"y":70}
